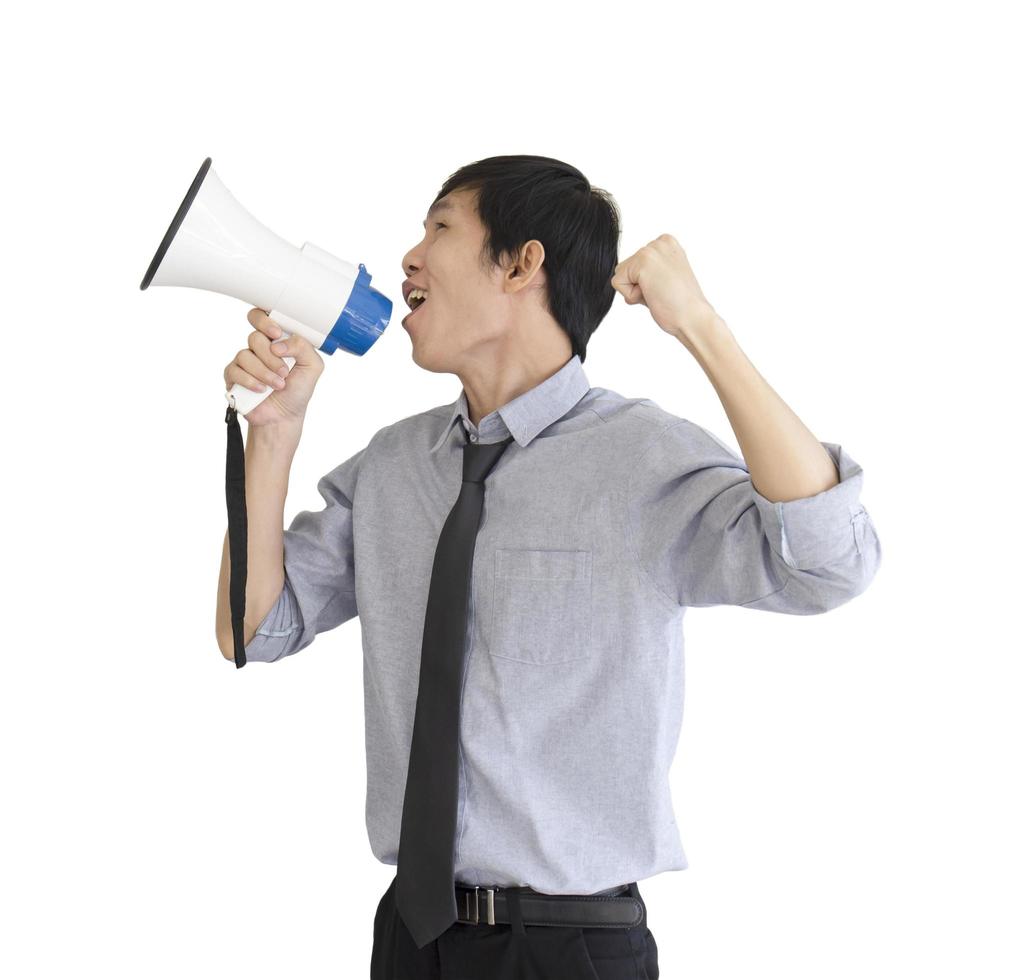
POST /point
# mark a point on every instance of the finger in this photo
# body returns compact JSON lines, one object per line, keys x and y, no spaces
{"x":298,"y":347}
{"x":285,"y":348}
{"x":249,"y":362}
{"x":263,"y":347}
{"x":233,"y":375}
{"x":630,"y":292}
{"x":259,"y":319}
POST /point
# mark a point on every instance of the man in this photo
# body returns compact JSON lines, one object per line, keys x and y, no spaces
{"x":523,"y":708}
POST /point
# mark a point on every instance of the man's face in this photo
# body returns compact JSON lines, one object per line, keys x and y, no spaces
{"x":467,"y":307}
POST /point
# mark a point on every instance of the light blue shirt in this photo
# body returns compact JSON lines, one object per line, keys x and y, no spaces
{"x":603,"y":521}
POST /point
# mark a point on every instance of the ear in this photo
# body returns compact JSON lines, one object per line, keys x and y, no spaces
{"x":528,"y":268}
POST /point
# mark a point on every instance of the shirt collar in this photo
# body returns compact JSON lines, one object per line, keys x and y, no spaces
{"x":534,"y":410}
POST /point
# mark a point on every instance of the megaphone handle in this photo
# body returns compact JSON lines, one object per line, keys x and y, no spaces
{"x":244,"y":399}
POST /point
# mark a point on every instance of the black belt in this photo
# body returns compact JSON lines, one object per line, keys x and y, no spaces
{"x":479,"y":905}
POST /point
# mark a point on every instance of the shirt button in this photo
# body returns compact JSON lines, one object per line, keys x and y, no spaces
{"x":472,"y":437}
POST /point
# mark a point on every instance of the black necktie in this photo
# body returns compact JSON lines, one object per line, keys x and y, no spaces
{"x":426,"y":885}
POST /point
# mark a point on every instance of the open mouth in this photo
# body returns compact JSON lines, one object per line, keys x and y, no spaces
{"x":414,"y":304}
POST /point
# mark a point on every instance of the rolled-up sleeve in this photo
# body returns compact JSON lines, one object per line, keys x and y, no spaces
{"x":319,"y":590}
{"x":704,"y":536}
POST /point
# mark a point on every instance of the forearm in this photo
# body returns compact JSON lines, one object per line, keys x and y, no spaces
{"x":785,"y":460}
{"x":269,"y":451}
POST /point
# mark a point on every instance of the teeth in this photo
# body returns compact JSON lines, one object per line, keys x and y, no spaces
{"x":417,"y":294}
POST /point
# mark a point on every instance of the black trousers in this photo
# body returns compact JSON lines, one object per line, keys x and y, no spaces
{"x":511,"y":951}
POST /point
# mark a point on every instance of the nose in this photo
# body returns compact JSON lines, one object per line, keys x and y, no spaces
{"x":411,"y":263}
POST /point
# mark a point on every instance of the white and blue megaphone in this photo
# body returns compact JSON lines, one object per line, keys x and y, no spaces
{"x":214,"y":243}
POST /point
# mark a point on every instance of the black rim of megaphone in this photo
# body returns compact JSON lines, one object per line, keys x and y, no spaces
{"x":175,"y":224}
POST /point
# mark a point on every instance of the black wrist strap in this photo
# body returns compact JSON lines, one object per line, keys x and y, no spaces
{"x":238,"y":531}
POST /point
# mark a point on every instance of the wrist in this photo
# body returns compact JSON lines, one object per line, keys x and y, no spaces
{"x":709,"y":333}
{"x":278,"y":437}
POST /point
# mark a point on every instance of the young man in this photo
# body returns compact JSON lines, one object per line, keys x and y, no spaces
{"x":523,"y":707}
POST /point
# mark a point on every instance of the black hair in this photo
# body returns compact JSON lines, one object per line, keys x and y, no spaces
{"x":522,"y":197}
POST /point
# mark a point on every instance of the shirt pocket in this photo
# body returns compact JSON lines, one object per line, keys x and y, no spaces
{"x":541,"y":605}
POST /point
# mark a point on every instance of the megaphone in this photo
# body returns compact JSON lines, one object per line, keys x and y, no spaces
{"x":213,"y":243}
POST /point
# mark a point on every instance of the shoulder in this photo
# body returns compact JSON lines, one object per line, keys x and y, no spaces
{"x":657,"y":444}
{"x":644,"y":425}
{"x":413,"y":431}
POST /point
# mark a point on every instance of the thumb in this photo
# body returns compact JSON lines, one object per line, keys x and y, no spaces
{"x":298,"y":347}
{"x":630,"y":291}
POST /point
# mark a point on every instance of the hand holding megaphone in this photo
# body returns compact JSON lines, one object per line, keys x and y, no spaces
{"x":286,"y":380}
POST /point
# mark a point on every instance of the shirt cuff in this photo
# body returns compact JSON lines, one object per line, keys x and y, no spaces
{"x":272,"y":636}
{"x":812,"y":532}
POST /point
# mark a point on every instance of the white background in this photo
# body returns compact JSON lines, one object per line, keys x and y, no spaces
{"x":846,"y":183}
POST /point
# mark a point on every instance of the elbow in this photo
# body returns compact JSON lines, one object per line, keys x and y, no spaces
{"x":226,"y":643}
{"x":830,"y":586}
{"x":821,"y":590}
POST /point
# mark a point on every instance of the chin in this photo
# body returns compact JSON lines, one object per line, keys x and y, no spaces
{"x":420,"y":361}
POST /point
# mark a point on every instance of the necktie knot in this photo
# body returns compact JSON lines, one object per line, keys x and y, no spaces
{"x":479,"y":459}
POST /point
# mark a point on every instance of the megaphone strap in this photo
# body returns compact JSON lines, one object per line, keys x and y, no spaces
{"x":238,"y":530}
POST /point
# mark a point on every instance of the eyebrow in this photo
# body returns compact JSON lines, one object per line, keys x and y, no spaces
{"x":442,"y":205}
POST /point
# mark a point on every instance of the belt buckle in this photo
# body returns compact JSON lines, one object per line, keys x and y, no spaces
{"x":475,"y":920}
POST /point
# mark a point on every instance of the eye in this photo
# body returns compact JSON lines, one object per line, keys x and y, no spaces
{"x":440,"y":224}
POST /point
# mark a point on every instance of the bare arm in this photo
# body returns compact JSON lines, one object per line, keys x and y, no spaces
{"x":269,"y":450}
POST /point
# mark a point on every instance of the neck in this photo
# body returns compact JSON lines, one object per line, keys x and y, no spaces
{"x":487,"y":391}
